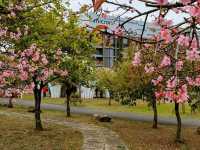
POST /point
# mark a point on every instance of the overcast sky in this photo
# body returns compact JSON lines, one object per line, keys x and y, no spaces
{"x":76,"y":4}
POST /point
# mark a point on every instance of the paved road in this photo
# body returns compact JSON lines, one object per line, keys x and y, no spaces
{"x":123,"y":115}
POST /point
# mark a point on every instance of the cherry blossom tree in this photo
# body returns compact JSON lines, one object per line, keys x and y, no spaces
{"x":177,"y":43}
{"x":33,"y":66}
{"x":10,"y":85}
{"x":38,"y":69}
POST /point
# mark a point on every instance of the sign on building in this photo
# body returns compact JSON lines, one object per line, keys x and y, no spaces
{"x":134,"y":28}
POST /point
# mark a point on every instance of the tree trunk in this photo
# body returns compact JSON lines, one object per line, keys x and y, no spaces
{"x":10,"y":104}
{"x":109,"y":102}
{"x":110,"y":98}
{"x":37,"y":94}
{"x":155,"y":118}
{"x":178,"y":117}
{"x":68,"y":105}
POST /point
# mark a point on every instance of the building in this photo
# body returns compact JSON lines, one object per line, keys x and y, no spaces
{"x":109,"y":50}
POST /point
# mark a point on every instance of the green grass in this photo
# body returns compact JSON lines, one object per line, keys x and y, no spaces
{"x":164,"y":109}
{"x":46,"y":100}
{"x":137,"y":135}
{"x":19,"y":134}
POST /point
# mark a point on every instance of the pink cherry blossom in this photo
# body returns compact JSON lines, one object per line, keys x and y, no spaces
{"x":159,"y":94}
{"x":36,"y":56}
{"x":166,"y":35}
{"x":158,"y":80}
{"x":194,"y":11}
{"x":197,"y":81}
{"x":149,"y":68}
{"x":8,"y":73}
{"x":182,"y":94}
{"x":45,"y":74}
{"x":136,"y":60}
{"x":23,"y":76}
{"x":185,"y":2}
{"x":3,"y":32}
{"x":1,"y":64}
{"x":183,"y":40}
{"x":44,"y":60}
{"x":165,"y":62}
{"x":162,"y":2}
{"x":29,"y":52}
{"x":12,"y":14}
{"x":194,"y":44}
{"x":163,"y":22}
{"x":190,"y":81}
{"x":170,"y":95}
{"x":29,"y":87}
{"x":192,"y":55}
{"x":171,"y":83}
{"x":179,"y":65}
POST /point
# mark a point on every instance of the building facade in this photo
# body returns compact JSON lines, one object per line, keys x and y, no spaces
{"x":108,"y":51}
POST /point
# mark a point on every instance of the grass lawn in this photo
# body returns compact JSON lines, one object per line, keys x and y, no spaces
{"x":19,"y":134}
{"x":102,"y":104}
{"x":137,"y":135}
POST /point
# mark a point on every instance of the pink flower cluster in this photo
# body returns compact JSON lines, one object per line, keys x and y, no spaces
{"x":35,"y":55}
{"x":183,"y":40}
{"x":194,"y":11}
{"x":149,"y":68}
{"x":12,"y":35}
{"x":193,"y":82}
{"x":179,"y":65}
{"x":166,"y":35}
{"x":136,"y":60}
{"x":33,"y":62}
{"x":163,"y":22}
{"x":185,"y":2}
{"x":179,"y":96}
{"x":166,"y":61}
{"x":162,"y":2}
{"x":3,"y":32}
{"x":14,"y":9}
{"x":158,"y":80}
{"x":192,"y":55}
{"x":15,"y":36}
{"x":172,"y":82}
{"x":8,"y":74}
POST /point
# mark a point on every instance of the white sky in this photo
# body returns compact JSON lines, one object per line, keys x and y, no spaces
{"x":76,"y":4}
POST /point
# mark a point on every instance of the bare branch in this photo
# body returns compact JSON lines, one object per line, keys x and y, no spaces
{"x":145,"y":22}
{"x":169,"y":6}
{"x":142,"y":14}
